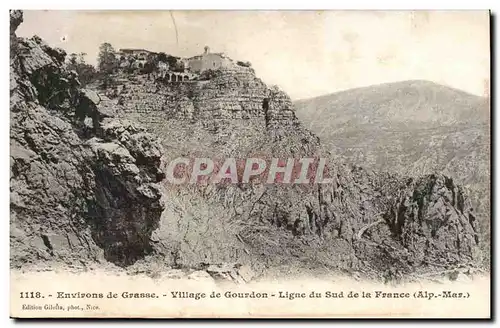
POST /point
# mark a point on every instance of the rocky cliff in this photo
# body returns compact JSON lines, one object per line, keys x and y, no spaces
{"x":87,"y":184}
{"x":410,"y":128}
{"x":83,"y":187}
{"x":363,"y":221}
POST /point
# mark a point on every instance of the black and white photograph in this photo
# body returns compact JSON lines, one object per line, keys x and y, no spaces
{"x":250,"y":164}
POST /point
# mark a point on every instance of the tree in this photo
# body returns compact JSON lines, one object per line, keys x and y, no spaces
{"x":175,"y":64}
{"x":86,"y":72}
{"x":149,"y":67}
{"x":179,"y":67}
{"x":81,"y":57}
{"x":107,"y":61}
{"x":172,"y":61}
{"x":208,"y":74}
{"x":73,"y":59}
{"x":246,"y":64}
{"x":162,"y":57}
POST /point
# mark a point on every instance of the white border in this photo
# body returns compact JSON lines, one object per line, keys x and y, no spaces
{"x":256,"y":4}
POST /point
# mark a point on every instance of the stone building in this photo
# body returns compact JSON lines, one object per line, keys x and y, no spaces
{"x":134,"y":58}
{"x":208,"y":60}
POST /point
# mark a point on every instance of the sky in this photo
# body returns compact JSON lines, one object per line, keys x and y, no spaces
{"x":306,"y":53}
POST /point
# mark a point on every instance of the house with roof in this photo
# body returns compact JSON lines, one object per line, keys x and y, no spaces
{"x":208,"y":60}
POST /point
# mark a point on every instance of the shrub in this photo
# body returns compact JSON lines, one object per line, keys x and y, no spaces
{"x":244,"y":64}
{"x":86,"y":72}
{"x":208,"y":74}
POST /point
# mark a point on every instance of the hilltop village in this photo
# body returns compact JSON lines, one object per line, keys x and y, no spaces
{"x":174,"y":69}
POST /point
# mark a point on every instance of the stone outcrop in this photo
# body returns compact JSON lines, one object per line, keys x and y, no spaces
{"x":79,"y":192}
{"x":234,"y":110}
{"x":434,"y":222}
{"x":231,"y":94}
{"x":127,"y":204}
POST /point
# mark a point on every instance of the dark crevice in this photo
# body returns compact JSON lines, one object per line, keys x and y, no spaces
{"x":47,"y":244}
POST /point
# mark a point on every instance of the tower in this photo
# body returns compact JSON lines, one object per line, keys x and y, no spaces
{"x":207,"y":50}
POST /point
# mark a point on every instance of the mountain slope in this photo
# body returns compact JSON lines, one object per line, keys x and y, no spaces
{"x":393,"y":105}
{"x":410,"y":128}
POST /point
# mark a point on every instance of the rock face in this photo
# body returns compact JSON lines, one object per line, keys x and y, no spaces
{"x":87,"y":184}
{"x":410,"y":128}
{"x":234,"y":113}
{"x":127,"y":204}
{"x":79,"y":192}
{"x":434,"y":221}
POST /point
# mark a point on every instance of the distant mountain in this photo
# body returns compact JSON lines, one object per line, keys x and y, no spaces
{"x":409,"y":127}
{"x":393,"y":105}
